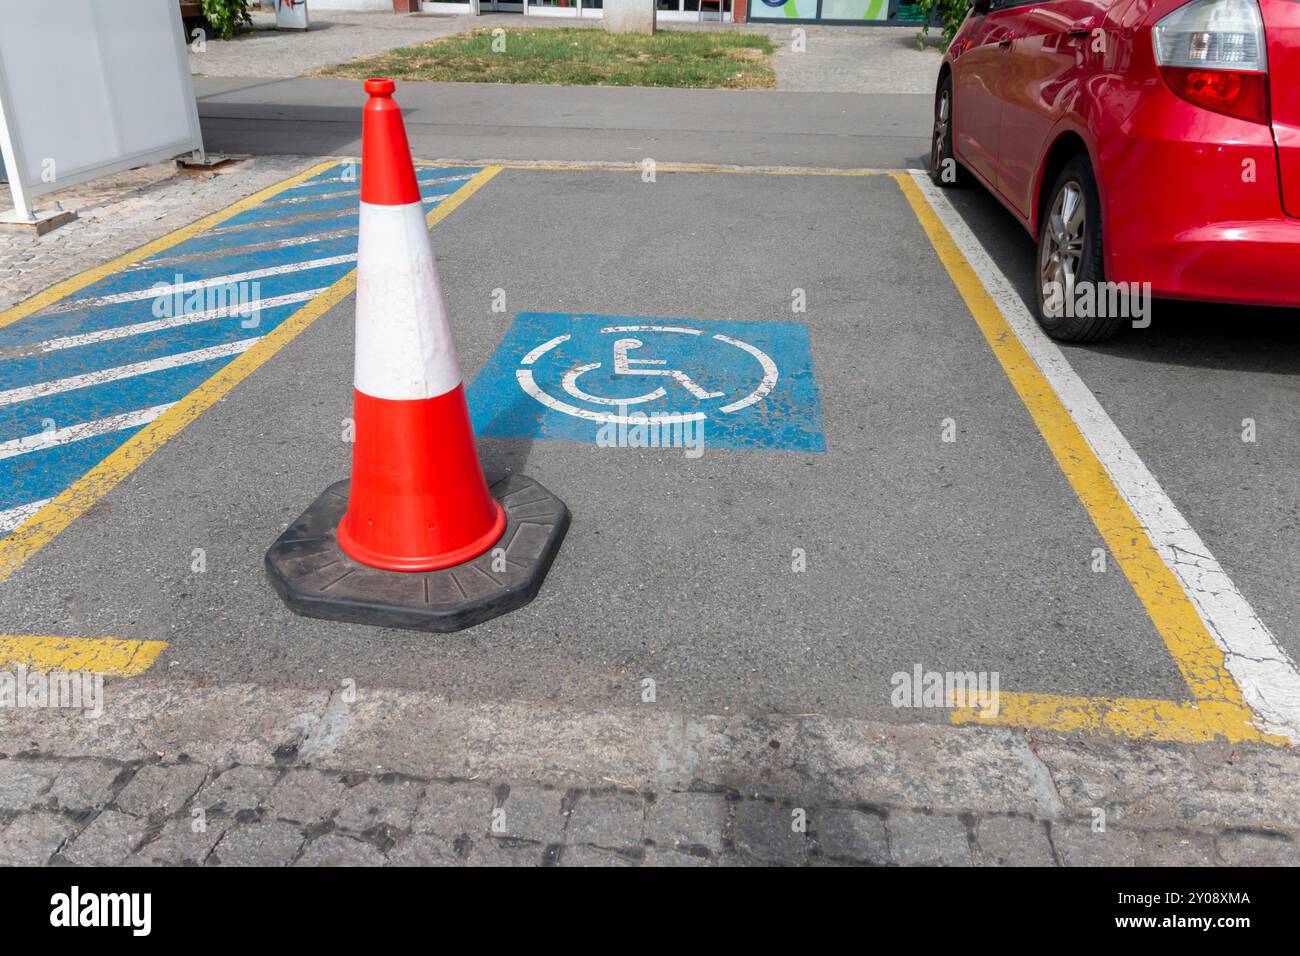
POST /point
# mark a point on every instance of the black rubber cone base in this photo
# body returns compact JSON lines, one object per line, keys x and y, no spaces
{"x":316,"y":579}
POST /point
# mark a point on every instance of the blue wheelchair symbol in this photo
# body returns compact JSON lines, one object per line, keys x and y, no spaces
{"x":563,"y":377}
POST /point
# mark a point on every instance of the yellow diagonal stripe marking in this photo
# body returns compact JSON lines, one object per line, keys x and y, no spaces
{"x":1184,"y":633}
{"x":42,"y":527}
{"x":98,"y":655}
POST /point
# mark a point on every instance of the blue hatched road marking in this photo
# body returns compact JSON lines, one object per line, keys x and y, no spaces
{"x":50,"y":437}
{"x":102,"y":401}
{"x":121,"y":314}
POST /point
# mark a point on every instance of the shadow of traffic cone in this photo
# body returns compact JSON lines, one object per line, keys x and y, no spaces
{"x":417,"y":539}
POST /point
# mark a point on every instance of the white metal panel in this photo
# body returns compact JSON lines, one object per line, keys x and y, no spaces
{"x":89,"y":87}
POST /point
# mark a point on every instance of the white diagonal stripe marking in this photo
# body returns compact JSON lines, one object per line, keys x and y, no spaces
{"x":13,"y":517}
{"x":156,"y":325}
{"x":80,"y":431}
{"x":27,"y":392}
{"x":162,"y":289}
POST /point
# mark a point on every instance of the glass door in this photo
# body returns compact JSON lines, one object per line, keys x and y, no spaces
{"x":554,"y":8}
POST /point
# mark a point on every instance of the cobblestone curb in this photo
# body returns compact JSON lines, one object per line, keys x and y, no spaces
{"x":241,"y":775}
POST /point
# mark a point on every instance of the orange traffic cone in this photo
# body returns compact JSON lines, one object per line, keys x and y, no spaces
{"x":418,"y":510}
{"x":418,"y":500}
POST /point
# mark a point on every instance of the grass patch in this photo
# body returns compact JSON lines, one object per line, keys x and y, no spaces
{"x":580,"y":57}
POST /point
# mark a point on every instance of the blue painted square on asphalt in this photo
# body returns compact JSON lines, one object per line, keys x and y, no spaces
{"x":654,"y":382}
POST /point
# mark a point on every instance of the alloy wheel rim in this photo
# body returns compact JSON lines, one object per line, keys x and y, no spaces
{"x":1061,"y":257}
{"x":940,"y":140}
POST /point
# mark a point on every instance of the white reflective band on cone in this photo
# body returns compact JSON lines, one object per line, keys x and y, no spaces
{"x":404,"y":348}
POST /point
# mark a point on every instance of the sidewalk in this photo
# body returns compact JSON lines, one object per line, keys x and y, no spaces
{"x":240,"y":774}
{"x":835,"y":59}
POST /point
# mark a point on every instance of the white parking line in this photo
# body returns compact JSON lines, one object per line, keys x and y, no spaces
{"x":1261,"y":667}
{"x":15,"y":395}
{"x":80,"y":431}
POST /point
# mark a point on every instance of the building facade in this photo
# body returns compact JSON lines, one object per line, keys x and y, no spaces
{"x":665,"y":9}
{"x":835,"y":12}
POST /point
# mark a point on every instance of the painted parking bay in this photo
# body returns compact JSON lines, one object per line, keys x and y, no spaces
{"x":81,"y":376}
{"x":969,"y":555}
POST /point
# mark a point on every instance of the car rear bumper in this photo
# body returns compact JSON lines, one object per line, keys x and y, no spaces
{"x":1252,"y":263}
{"x":1193,"y":206}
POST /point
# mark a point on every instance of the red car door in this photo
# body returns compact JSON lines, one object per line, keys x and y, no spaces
{"x":977,"y":80}
{"x":1058,"y":45}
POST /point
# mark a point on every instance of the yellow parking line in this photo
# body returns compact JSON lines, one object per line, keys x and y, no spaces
{"x":1186,"y":722}
{"x":68,"y":286}
{"x":1190,"y":644}
{"x":98,"y":655}
{"x":42,"y":527}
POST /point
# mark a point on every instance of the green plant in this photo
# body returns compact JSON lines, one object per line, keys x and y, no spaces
{"x":950,"y":14}
{"x":227,"y":17}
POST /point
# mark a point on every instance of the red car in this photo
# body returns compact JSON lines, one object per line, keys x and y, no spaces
{"x":1139,"y":141}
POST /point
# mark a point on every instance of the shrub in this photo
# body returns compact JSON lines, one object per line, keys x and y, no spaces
{"x":949,"y":13}
{"x":227,"y":17}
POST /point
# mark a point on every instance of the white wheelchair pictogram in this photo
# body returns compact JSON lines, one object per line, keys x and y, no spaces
{"x":625,"y":365}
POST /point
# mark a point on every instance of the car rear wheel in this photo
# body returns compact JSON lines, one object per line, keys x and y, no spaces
{"x":1070,"y":260}
{"x":945,"y":171}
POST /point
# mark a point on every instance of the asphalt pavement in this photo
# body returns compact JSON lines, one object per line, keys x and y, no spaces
{"x":963,"y":555}
{"x":487,"y":121}
{"x":904,"y":497}
{"x":935,"y":526}
{"x":1181,"y":391}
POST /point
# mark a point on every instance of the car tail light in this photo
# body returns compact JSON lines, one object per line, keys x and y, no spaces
{"x":1212,"y":53}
